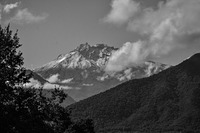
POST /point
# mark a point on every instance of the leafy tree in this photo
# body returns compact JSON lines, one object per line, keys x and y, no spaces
{"x":28,"y":110}
{"x":11,"y":60}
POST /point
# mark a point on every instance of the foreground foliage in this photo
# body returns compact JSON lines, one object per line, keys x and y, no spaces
{"x":28,"y":110}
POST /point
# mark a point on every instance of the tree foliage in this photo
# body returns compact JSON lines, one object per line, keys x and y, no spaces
{"x":28,"y":110}
{"x":11,"y":60}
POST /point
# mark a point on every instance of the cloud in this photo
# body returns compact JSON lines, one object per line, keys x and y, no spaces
{"x":129,"y":54}
{"x":122,"y":11}
{"x":67,"y":80}
{"x":1,"y":7}
{"x":53,"y":78}
{"x":179,"y":14}
{"x":88,"y":85}
{"x":25,"y":17}
{"x":36,"y":84}
{"x":7,"y":8}
{"x":33,"y":83}
{"x":52,"y":86}
{"x":172,"y":25}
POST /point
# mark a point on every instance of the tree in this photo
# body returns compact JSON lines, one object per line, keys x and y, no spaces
{"x":27,"y":110}
{"x":11,"y":60}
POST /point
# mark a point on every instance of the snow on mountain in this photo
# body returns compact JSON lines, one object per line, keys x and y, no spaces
{"x":84,"y":56}
{"x":83,"y":68}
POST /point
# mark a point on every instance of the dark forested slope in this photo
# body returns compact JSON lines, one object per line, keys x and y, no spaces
{"x":168,"y":101}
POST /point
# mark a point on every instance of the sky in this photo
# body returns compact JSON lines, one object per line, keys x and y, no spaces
{"x":47,"y":28}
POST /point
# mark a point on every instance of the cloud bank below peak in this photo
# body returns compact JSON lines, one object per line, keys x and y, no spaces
{"x":36,"y":84}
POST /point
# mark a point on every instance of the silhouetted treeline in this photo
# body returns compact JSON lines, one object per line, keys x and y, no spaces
{"x":28,"y":110}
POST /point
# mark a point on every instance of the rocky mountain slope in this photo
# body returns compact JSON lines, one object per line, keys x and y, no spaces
{"x":82,"y":71}
{"x":167,"y":102}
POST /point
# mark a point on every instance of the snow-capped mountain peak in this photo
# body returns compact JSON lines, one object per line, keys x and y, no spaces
{"x":85,"y":67}
{"x":84,"y":56}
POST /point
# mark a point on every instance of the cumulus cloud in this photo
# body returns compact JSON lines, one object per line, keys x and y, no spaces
{"x":24,"y":16}
{"x":53,"y":78}
{"x":173,"y":24}
{"x":122,"y":11}
{"x":7,"y":8}
{"x":129,"y":54}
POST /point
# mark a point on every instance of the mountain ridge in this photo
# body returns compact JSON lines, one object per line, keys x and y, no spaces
{"x":164,"y":102}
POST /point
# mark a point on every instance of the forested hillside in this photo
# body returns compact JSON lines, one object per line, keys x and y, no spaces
{"x":165,"y":102}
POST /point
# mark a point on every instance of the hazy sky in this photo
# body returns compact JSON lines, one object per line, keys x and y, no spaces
{"x":48,"y":28}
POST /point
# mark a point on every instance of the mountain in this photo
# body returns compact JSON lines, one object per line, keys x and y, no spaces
{"x":82,"y":71}
{"x":38,"y":81}
{"x":36,"y":77}
{"x":68,"y":101}
{"x":167,"y":102}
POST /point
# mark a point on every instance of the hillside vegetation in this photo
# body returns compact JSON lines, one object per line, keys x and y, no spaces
{"x":165,"y":102}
